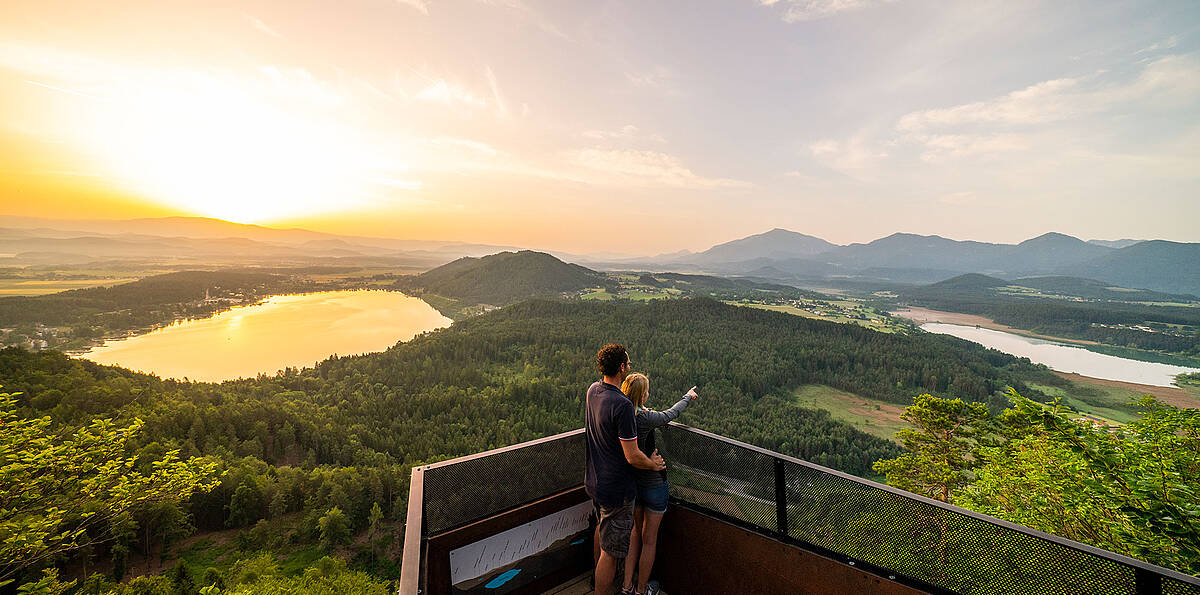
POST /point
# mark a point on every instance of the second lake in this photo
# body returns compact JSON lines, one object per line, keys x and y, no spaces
{"x":283,"y":331}
{"x":1065,"y":358}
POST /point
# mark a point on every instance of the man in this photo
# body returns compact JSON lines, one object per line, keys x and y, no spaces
{"x":611,"y":432}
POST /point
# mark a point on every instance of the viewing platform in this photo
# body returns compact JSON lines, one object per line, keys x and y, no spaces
{"x":742,"y":519}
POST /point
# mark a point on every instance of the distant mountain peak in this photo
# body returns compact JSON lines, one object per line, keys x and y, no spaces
{"x":1118,"y":244}
{"x":1053,"y":237}
{"x":970,"y":281}
{"x":775,"y":243}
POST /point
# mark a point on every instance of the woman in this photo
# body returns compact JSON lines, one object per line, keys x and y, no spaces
{"x":652,"y":489}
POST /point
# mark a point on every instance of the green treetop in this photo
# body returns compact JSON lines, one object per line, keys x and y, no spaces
{"x":61,"y":490}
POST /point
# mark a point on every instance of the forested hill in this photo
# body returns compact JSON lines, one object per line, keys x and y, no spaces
{"x":170,"y":288}
{"x":1074,"y":308}
{"x":1054,"y":285}
{"x":503,"y":278}
{"x":519,"y":373}
{"x":344,"y":435}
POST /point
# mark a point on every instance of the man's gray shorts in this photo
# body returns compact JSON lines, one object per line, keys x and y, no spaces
{"x":615,"y":524}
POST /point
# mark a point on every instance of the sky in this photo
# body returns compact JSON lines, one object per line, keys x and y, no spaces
{"x":633,"y":127}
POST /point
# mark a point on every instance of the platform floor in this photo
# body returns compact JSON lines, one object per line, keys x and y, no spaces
{"x":580,"y":585}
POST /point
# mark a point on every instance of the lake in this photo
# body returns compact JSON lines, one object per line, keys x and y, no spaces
{"x":282,"y":331}
{"x":1065,"y":358}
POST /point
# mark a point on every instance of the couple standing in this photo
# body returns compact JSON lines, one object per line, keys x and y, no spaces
{"x":624,"y":469}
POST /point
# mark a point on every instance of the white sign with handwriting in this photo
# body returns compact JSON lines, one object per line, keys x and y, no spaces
{"x":483,"y":556}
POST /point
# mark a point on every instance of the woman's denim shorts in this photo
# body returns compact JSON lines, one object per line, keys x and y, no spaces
{"x":654,"y":499}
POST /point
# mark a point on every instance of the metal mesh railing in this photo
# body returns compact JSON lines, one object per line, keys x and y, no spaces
{"x":1171,"y":586}
{"x":940,"y":545}
{"x":467,"y":489}
{"x":924,"y":542}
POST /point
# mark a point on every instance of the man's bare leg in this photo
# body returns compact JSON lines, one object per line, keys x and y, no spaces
{"x":606,"y":569}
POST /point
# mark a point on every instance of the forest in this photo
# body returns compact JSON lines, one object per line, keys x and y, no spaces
{"x":315,"y":462}
{"x":1172,"y":329}
{"x":79,"y":318}
{"x":1129,"y":490}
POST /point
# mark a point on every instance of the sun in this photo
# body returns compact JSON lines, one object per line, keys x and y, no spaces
{"x":213,"y":149}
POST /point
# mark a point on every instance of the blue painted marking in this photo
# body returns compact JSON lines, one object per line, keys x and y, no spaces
{"x":500,"y":580}
{"x":577,"y":542}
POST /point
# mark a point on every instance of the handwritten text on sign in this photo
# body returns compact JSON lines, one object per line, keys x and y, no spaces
{"x":483,"y":556}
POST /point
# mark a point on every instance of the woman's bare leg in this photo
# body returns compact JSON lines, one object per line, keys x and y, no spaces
{"x":635,"y":546}
{"x":649,"y":545}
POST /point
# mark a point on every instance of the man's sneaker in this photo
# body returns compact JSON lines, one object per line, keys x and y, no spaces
{"x":652,"y":588}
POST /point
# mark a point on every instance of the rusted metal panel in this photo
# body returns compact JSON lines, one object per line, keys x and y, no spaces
{"x":700,"y":554}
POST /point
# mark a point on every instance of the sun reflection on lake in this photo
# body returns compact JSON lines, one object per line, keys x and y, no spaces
{"x":288,"y":330}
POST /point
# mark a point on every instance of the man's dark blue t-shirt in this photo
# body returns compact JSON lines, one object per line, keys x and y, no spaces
{"x":608,"y":419}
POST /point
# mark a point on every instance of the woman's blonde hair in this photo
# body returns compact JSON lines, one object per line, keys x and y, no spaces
{"x":637,"y":388}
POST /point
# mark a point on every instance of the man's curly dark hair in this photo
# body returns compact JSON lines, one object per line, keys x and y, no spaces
{"x":610,"y":357}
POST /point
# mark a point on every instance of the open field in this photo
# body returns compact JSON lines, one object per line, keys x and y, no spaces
{"x":833,"y":311}
{"x":1187,"y":397}
{"x":877,"y":418}
{"x":1102,"y":400}
{"x":599,"y":294}
{"x":1109,"y":415}
{"x":31,"y":287}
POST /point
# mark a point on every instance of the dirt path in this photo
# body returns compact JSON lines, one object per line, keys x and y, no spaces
{"x":923,"y":315}
{"x":1167,"y":394}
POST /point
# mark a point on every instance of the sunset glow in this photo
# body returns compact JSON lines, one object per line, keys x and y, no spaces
{"x":514,"y":123}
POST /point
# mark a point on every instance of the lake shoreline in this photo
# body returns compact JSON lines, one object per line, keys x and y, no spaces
{"x":920,"y":316}
{"x":277,"y":332}
{"x":924,"y":315}
{"x":1063,"y":357}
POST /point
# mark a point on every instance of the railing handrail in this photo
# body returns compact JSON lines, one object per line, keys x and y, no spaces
{"x":1102,"y":553}
{"x":503,"y":449}
{"x":415,"y":534}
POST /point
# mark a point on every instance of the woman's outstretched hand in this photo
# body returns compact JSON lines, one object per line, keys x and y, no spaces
{"x":691,"y":394}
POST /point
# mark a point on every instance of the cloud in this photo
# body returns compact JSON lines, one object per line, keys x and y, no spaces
{"x":538,"y":19}
{"x":646,"y":169}
{"x":658,"y":78}
{"x":1062,"y":113}
{"x":497,"y":97}
{"x":418,"y":5}
{"x":262,"y":27}
{"x":626,"y":132}
{"x":942,"y":147}
{"x":1044,"y":102}
{"x":298,"y":83}
{"x":463,"y":143}
{"x":450,"y":94}
{"x":1168,"y":80}
{"x":855,"y":156}
{"x":67,"y":91}
{"x":798,"y":11}
{"x":1166,"y":44}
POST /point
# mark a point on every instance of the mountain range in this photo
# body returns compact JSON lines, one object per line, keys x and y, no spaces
{"x":776,"y":255}
{"x":196,"y":240}
{"x":905,"y":258}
